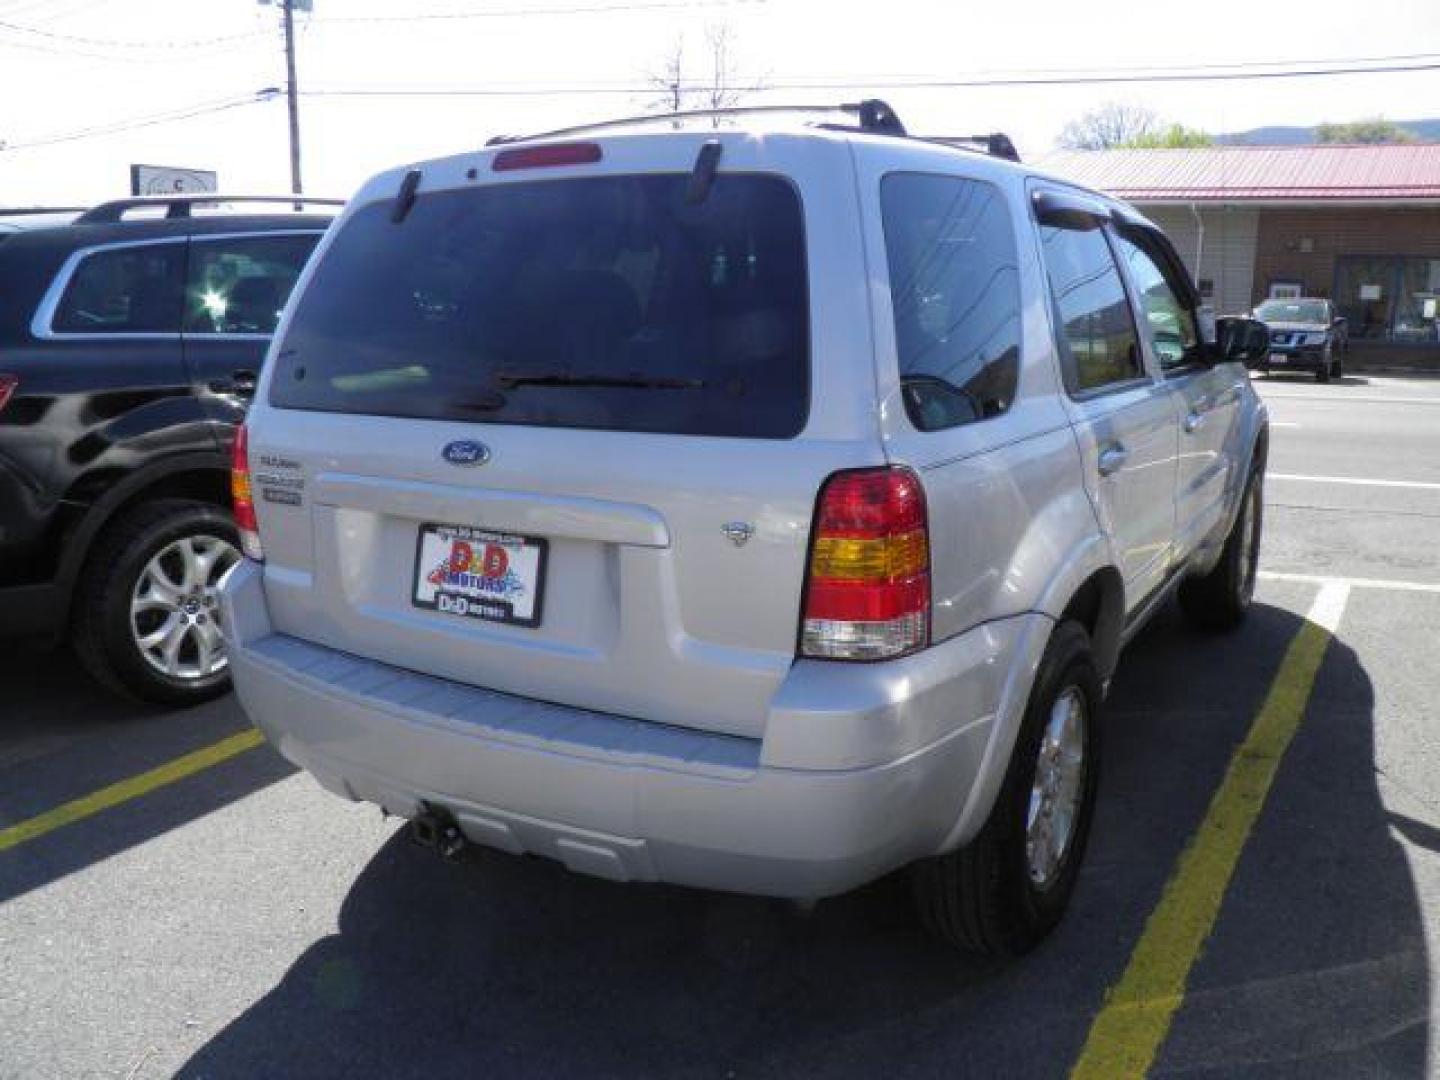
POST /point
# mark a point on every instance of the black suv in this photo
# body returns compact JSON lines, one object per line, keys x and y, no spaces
{"x":130,"y":338}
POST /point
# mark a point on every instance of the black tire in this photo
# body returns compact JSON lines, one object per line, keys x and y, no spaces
{"x":101,"y":631}
{"x":1220,"y":600}
{"x":982,"y":897}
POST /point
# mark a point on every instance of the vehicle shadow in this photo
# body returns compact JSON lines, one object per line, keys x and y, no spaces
{"x":63,"y":737}
{"x":512,"y":967}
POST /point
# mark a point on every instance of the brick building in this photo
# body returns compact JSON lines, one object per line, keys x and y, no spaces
{"x":1359,"y":224}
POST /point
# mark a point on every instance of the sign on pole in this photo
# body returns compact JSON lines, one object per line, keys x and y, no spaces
{"x":166,"y":180}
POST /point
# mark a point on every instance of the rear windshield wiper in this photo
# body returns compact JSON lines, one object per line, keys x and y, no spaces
{"x":511,"y":380}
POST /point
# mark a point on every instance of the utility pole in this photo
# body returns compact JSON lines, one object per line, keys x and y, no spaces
{"x":292,"y":97}
{"x":292,"y":89}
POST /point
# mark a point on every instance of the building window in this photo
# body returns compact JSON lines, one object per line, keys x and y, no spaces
{"x":1389,"y":298}
{"x":1286,"y":290}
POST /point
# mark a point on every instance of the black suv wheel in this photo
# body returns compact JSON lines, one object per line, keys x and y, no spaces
{"x":147,"y":609}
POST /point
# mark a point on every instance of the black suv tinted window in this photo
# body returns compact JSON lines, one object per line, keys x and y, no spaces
{"x":955,"y":291}
{"x":1098,"y":344}
{"x":124,"y":290}
{"x":237,"y":285}
{"x":598,"y":303}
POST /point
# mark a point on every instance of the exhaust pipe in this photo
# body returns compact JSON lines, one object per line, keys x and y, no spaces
{"x":437,"y":830}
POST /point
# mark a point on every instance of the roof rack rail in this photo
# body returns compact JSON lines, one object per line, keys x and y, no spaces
{"x":179,"y":206}
{"x":26,"y":211}
{"x":996,"y":144}
{"x":872,"y":115}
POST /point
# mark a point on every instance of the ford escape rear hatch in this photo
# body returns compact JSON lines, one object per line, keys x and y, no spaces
{"x":547,"y":436}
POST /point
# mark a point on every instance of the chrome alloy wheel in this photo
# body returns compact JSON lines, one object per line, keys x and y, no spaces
{"x":175,"y":608}
{"x":1056,"y":792}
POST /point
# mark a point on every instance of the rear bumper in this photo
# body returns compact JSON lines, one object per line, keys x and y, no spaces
{"x":631,"y":800}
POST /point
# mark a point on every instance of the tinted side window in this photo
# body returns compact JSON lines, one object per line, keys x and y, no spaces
{"x":1098,"y":345}
{"x":954,"y":287}
{"x":239,"y":284}
{"x":124,"y":291}
{"x":1171,"y":327}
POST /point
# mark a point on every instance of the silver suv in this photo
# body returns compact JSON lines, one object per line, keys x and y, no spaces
{"x":760,"y":509}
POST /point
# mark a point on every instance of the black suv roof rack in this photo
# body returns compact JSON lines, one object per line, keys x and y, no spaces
{"x":179,"y":206}
{"x":26,"y":211}
{"x":871,"y":115}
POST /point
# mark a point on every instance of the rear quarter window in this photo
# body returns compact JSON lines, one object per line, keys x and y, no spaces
{"x":955,"y":294}
{"x":606,"y":302}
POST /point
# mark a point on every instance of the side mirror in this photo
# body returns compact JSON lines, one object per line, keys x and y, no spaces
{"x":1243,"y":341}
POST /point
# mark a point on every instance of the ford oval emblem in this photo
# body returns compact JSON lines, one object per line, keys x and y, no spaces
{"x":466,"y":452}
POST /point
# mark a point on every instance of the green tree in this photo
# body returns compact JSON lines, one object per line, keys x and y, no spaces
{"x":1174,"y":136}
{"x":1374,"y":131}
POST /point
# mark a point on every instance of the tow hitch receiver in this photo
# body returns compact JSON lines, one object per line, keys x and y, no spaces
{"x":437,"y":829}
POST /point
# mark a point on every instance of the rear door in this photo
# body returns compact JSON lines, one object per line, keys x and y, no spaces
{"x":560,"y":433}
{"x":1123,"y":416}
{"x":102,"y":384}
{"x":1207,"y":397}
{"x":235,"y":288}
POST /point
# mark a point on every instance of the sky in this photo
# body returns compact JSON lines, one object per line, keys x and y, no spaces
{"x":69,"y":67}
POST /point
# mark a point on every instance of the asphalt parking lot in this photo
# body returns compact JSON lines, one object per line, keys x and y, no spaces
{"x":224,"y":917}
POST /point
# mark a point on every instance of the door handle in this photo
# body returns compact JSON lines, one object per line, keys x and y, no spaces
{"x":1194,"y":421}
{"x":1112,"y":458}
{"x":240,"y":383}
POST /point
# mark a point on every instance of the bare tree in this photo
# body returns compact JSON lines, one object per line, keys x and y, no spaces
{"x":1112,"y":124}
{"x":674,"y":90}
{"x":721,"y":91}
{"x":669,"y":81}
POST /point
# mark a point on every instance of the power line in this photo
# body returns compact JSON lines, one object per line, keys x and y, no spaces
{"x":113,"y":43}
{"x":887,"y":83}
{"x":507,"y":13}
{"x":172,"y":116}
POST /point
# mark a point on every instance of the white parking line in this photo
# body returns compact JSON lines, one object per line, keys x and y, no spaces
{"x":1325,"y":399}
{"x":1355,"y":481}
{"x":1354,"y":583}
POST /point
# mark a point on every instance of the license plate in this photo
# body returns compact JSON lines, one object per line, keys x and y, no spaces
{"x":498,"y":577}
{"x":1279,"y":358}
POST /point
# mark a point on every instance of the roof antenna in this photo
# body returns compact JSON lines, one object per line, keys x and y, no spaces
{"x":702,"y":177}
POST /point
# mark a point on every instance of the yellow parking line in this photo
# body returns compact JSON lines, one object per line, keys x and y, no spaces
{"x":1138,"y":1010}
{"x":131,"y":788}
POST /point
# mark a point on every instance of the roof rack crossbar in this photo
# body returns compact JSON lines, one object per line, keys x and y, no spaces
{"x":179,"y":206}
{"x":872,"y":115}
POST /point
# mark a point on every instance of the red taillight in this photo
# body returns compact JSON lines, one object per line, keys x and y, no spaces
{"x":868,"y":592}
{"x":8,"y":385}
{"x":541,"y":157}
{"x":241,"y":498}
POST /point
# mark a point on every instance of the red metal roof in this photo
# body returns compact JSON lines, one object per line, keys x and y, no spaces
{"x":1257,"y":173}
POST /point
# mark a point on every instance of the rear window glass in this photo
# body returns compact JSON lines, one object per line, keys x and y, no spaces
{"x":599,"y":303}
